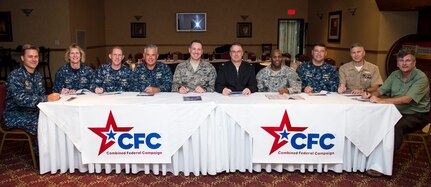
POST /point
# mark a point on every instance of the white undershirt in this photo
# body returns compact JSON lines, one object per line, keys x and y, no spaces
{"x":194,"y":65}
{"x":358,"y":68}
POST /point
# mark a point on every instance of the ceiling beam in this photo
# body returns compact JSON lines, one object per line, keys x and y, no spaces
{"x":403,"y":5}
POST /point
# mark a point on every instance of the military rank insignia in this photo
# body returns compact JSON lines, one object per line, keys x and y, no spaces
{"x":27,"y":85}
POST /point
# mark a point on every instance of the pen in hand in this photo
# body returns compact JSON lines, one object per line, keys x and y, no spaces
{"x":366,"y":94}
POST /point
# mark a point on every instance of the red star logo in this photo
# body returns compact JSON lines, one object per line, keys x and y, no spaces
{"x":104,"y":132}
{"x":282,"y":132}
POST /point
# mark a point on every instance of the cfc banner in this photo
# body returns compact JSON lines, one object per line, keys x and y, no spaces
{"x":138,"y":134}
{"x":293,"y":133}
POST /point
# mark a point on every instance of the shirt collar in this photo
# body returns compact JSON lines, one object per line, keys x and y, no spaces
{"x":399,"y":74}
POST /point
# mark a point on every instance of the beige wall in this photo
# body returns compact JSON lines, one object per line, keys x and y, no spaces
{"x":47,"y":23}
{"x":376,"y":30}
{"x":57,"y":20}
{"x":89,"y":16}
{"x":222,"y":17}
{"x":107,"y":23}
{"x":393,"y":26}
{"x":41,"y":28}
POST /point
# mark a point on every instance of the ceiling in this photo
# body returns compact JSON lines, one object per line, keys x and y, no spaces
{"x":403,"y":5}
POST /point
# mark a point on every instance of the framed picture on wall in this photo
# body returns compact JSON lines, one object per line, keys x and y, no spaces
{"x":334,"y":26}
{"x":5,"y":27}
{"x":266,"y":48}
{"x":243,"y":30}
{"x":138,"y":30}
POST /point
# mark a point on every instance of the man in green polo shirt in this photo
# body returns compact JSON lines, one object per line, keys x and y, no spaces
{"x":407,"y":88}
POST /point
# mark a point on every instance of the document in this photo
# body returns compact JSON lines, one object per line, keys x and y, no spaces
{"x":71,"y":99}
{"x":361,"y":99}
{"x":352,"y":95}
{"x":236,"y":94}
{"x":110,"y":93}
{"x":145,"y":94}
{"x":283,"y":97}
{"x":316,"y":94}
{"x":321,"y":93}
{"x":192,"y":98}
{"x":296,"y":97}
{"x":81,"y":91}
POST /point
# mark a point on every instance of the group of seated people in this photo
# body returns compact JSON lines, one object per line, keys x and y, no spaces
{"x":407,"y":88}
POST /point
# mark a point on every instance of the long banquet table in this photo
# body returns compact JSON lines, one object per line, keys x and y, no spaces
{"x":209,"y":136}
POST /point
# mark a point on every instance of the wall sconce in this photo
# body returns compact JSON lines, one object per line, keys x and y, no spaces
{"x":352,"y":11}
{"x":137,"y":18}
{"x":320,"y":15}
{"x":244,"y":17}
{"x":27,"y":11}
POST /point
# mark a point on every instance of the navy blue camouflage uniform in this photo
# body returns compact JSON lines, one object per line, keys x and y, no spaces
{"x":159,"y":77}
{"x":24,"y":92}
{"x":69,"y":78}
{"x":324,"y":77}
{"x":113,"y":80}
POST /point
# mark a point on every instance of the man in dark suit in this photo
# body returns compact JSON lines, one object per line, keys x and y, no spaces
{"x":236,"y":75}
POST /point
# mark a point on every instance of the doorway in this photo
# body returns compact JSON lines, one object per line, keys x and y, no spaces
{"x":291,"y":36}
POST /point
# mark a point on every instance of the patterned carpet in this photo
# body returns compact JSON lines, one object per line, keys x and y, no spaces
{"x":16,"y":170}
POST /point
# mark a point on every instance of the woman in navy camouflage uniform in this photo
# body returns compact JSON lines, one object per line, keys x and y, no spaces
{"x":75,"y":74}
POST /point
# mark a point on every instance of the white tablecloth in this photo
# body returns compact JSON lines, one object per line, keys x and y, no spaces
{"x":220,"y":142}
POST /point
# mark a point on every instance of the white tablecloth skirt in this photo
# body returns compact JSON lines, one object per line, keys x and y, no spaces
{"x":212,"y":149}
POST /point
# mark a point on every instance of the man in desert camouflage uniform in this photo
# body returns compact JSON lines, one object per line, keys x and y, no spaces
{"x":278,"y":77}
{"x":194,"y":75}
{"x":152,"y":76}
{"x":113,"y":77}
{"x":75,"y":74}
{"x":24,"y":92}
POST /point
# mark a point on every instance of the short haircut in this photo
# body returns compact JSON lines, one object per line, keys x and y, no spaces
{"x":275,"y":51}
{"x":319,"y":45}
{"x":356,"y":45}
{"x":26,"y":47}
{"x":404,"y":52}
{"x":116,"y":47}
{"x":196,"y":41}
{"x":151,"y":46}
{"x":74,"y":46}
{"x":235,"y":43}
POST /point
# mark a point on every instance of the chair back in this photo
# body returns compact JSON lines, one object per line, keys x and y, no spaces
{"x":139,"y":56}
{"x":14,"y":134}
{"x":427,"y":128}
{"x":331,"y":61}
{"x":2,"y":98}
